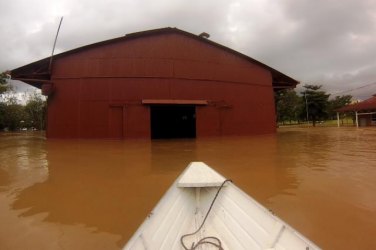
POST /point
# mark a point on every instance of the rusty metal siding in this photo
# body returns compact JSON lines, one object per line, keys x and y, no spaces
{"x":180,"y":57}
{"x":169,"y":66}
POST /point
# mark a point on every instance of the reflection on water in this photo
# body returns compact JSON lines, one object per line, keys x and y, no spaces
{"x":88,"y":194}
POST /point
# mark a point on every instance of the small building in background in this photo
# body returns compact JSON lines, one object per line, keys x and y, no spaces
{"x":365,"y":112}
{"x":164,"y":83}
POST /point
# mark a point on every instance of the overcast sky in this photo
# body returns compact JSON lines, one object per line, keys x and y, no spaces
{"x":327,"y":42}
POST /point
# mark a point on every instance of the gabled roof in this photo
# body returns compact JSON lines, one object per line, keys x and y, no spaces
{"x":38,"y":72}
{"x":369,"y":104}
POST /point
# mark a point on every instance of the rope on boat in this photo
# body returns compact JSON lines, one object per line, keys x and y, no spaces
{"x":205,"y":240}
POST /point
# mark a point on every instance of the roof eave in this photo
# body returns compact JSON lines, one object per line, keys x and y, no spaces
{"x":30,"y":71}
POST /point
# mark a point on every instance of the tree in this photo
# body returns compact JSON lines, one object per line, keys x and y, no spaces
{"x":287,"y":105}
{"x":3,"y":111}
{"x":316,"y":103}
{"x":338,"y":102}
{"x":12,"y":114}
{"x":35,"y":110}
{"x":3,"y":82}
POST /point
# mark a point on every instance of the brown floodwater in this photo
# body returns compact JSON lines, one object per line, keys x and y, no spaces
{"x":93,"y":194}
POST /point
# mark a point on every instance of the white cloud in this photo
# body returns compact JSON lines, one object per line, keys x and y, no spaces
{"x":329,"y":42}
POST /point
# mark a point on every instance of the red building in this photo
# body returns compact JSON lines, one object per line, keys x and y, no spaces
{"x":163,"y":83}
{"x":365,"y":112}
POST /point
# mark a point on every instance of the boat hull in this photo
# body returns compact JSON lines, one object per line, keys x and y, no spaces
{"x":236,"y":219}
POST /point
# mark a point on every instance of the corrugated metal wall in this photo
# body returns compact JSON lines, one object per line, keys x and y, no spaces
{"x":98,"y":91}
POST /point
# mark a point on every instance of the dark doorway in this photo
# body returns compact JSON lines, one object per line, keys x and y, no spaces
{"x":173,"y":121}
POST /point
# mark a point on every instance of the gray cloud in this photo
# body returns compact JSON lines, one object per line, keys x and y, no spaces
{"x":328,"y":42}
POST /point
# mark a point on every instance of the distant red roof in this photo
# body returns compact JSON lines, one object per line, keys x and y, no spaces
{"x":369,"y":104}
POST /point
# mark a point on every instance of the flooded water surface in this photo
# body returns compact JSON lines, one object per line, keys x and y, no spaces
{"x":93,"y":194}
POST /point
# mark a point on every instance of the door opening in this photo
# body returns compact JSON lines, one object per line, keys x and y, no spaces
{"x":173,"y":121}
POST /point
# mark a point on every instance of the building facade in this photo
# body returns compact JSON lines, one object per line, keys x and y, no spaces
{"x":164,"y":83}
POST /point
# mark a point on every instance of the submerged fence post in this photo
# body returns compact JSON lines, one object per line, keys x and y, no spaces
{"x":356,"y":119}
{"x":337,"y":119}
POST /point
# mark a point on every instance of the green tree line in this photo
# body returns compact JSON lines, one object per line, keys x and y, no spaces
{"x":16,"y":116}
{"x":312,"y":104}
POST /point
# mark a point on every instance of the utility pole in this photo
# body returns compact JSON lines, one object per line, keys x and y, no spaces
{"x":306,"y":104}
{"x":53,"y":48}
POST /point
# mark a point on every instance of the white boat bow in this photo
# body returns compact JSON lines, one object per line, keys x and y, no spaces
{"x":236,"y":221}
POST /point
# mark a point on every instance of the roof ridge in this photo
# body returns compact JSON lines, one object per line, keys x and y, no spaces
{"x":279,"y":79}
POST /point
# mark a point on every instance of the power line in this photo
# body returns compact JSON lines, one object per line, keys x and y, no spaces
{"x":361,"y":87}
